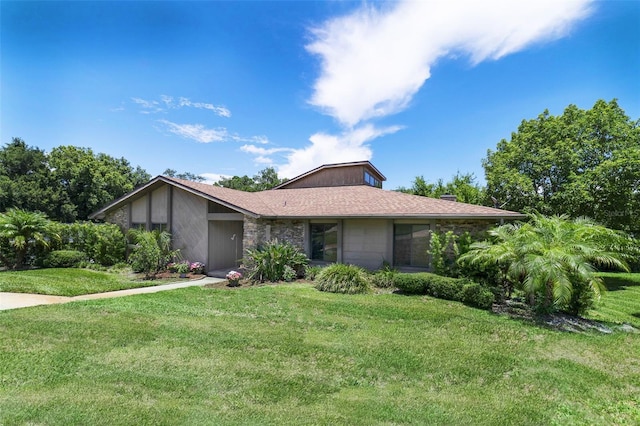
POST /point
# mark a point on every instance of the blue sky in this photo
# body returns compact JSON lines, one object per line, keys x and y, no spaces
{"x":229,"y":88}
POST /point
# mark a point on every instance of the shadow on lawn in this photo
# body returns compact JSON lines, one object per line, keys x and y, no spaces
{"x":615,"y":283}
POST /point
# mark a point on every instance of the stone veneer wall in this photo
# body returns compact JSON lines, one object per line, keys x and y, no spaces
{"x":259,"y":231}
{"x":120,"y":217}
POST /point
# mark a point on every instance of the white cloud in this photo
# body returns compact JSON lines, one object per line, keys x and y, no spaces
{"x":262,"y":155}
{"x":329,"y":149}
{"x":374,"y":60}
{"x":200,"y":133}
{"x":147,"y":106}
{"x":169,"y":103}
{"x":211,"y":178}
{"x":258,"y":150}
{"x":197,"y":132}
{"x":263,"y":140}
{"x":218,"y":110}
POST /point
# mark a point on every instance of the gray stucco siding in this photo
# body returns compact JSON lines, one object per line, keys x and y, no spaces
{"x":190,"y":226}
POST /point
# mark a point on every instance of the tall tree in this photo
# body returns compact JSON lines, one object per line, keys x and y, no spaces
{"x":92,"y":180}
{"x":183,"y":175}
{"x":265,"y":179}
{"x":463,"y":186}
{"x":26,"y":182}
{"x":582,"y":163}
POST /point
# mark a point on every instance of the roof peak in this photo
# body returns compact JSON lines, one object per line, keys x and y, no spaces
{"x":365,"y":163}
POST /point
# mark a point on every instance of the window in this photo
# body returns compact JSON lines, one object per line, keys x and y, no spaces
{"x":138,"y":225}
{"x":159,"y":227}
{"x":324,"y":242}
{"x":410,"y":245}
{"x":370,"y":180}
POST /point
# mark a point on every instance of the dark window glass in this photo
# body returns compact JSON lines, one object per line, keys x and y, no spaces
{"x":410,"y":245}
{"x":324,"y":242}
{"x":159,"y":227}
{"x":370,"y":180}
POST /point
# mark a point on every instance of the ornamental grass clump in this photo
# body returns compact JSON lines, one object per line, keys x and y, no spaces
{"x":275,"y":261}
{"x":340,"y":278}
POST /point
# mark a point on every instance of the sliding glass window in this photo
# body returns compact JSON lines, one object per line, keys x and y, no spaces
{"x":410,"y":245}
{"x":324,"y":242}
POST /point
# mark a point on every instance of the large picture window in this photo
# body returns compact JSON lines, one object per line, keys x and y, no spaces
{"x":324,"y":242}
{"x":410,"y":244}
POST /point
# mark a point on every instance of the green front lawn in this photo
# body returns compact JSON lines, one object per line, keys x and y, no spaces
{"x":288,"y":354}
{"x":69,"y":282}
{"x":621,"y":302}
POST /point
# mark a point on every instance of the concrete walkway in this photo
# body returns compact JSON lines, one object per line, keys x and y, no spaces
{"x":23,"y":300}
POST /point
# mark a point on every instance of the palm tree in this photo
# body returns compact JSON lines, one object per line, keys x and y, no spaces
{"x":23,"y":230}
{"x":553,"y":259}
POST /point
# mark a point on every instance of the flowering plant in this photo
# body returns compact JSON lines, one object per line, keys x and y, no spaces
{"x":234,"y":275}
{"x":197,"y":267}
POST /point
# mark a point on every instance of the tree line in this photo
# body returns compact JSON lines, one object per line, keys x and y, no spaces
{"x":582,"y":163}
{"x":69,"y":183}
{"x":66,"y":184}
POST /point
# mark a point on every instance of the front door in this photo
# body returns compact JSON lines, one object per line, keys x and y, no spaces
{"x":225,"y":244}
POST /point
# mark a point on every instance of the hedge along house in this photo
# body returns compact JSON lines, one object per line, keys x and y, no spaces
{"x":334,"y":213}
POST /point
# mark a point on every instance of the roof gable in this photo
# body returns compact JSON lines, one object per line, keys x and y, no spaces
{"x":340,"y":174}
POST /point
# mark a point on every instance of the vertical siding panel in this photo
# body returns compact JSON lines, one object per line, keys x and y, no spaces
{"x":190,"y":226}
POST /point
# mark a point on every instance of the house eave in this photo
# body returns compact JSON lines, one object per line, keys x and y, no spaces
{"x":100,"y":214}
{"x":400,"y":216}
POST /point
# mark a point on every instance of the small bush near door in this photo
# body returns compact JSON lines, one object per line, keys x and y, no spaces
{"x":275,"y":261}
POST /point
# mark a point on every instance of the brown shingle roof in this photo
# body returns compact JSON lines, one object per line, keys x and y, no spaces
{"x":329,"y":202}
{"x":343,"y":201}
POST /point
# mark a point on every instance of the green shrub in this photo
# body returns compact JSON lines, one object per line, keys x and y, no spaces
{"x":474,"y":294}
{"x":65,"y":259}
{"x":269,"y":262}
{"x":444,"y":249}
{"x":457,"y":289}
{"x":104,"y":243}
{"x":384,"y":278}
{"x":445,"y":287}
{"x":311,"y":272}
{"x":583,"y":296}
{"x":151,"y":252}
{"x":412,"y":283}
{"x":340,"y":278}
{"x":289,"y":274}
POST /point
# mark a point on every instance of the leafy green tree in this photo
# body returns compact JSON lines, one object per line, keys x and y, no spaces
{"x":265,"y":179}
{"x":92,"y":180}
{"x":67,"y":184}
{"x":26,"y":182}
{"x":185,"y":175}
{"x":463,"y":186}
{"x":553,"y":259}
{"x":23,"y":231}
{"x":580,"y":163}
